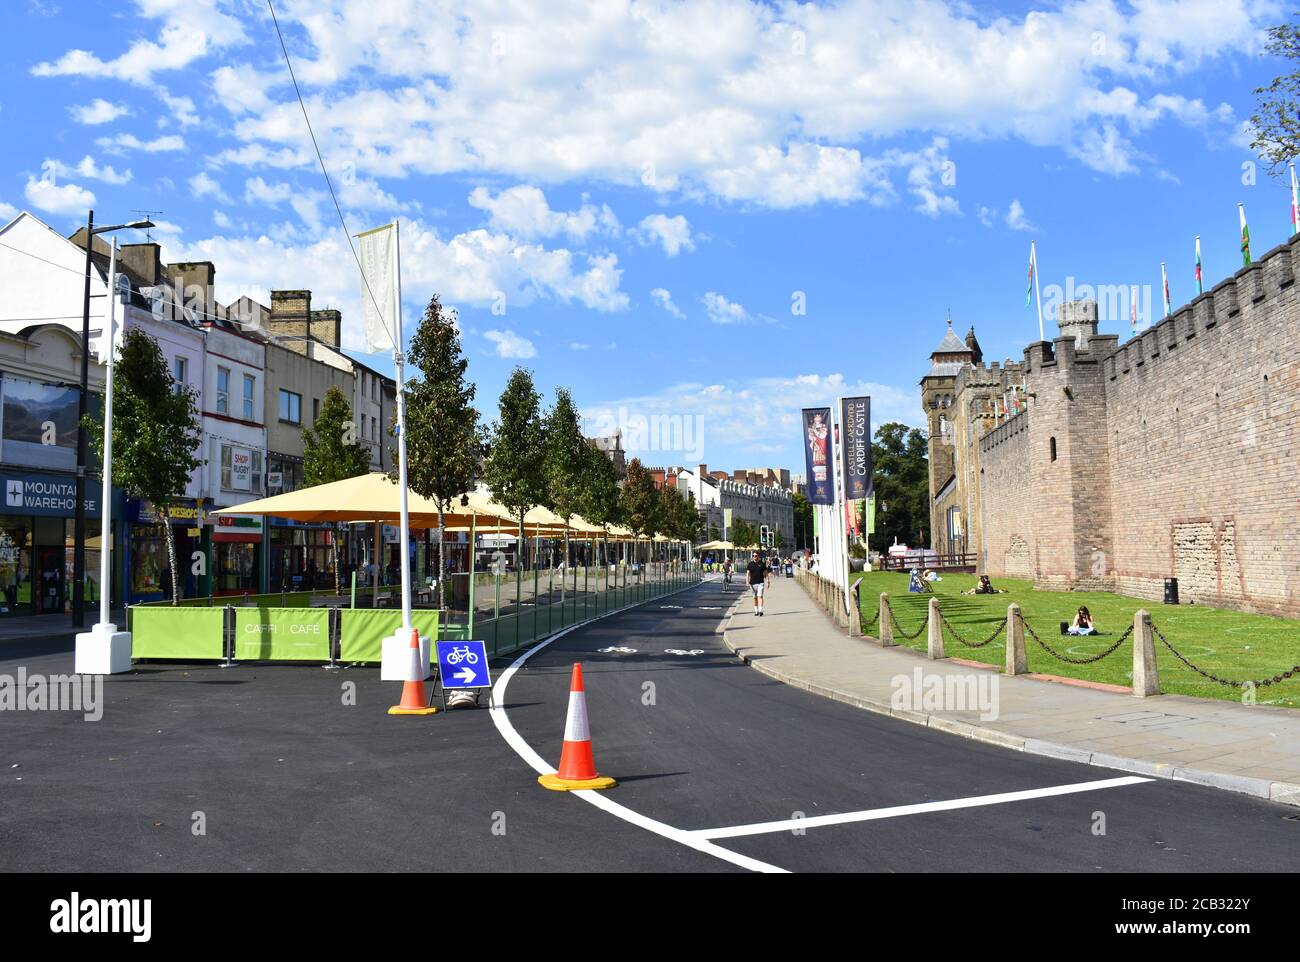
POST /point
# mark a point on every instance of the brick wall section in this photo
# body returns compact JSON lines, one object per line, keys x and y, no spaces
{"x":1176,"y":453}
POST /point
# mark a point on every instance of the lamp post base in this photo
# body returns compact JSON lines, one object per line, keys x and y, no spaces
{"x":103,"y":651}
{"x":395,"y":655}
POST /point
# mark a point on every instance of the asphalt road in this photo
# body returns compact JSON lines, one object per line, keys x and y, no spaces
{"x":289,"y":777}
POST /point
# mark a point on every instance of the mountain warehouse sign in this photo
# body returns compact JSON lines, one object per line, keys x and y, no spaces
{"x":46,"y":494}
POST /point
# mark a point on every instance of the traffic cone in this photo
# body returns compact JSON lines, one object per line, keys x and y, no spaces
{"x":413,"y":701}
{"x":577,"y":767}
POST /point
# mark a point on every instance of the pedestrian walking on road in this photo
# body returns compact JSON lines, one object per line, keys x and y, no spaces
{"x":756,"y":575}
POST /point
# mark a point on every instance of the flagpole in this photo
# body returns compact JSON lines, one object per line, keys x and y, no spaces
{"x":1295,"y":203}
{"x":1164,"y":286}
{"x":1038,"y":290}
{"x":404,"y":535}
{"x":108,"y":348}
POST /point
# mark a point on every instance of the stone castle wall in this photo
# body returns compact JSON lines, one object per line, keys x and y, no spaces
{"x":1175,"y":454}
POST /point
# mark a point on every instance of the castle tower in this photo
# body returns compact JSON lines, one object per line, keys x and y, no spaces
{"x":1078,"y":319}
{"x":938,"y":395}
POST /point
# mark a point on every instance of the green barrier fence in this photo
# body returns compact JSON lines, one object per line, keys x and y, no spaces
{"x":178,"y":633}
{"x":362,"y":631}
{"x":282,"y":634}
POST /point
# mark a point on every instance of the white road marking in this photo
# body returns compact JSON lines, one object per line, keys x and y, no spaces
{"x":871,"y":815}
{"x":599,"y":799}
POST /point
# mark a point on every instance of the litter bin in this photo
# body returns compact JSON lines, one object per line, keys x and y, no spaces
{"x":1171,"y":591}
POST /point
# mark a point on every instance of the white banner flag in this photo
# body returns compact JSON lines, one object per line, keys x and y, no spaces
{"x":111,"y":336}
{"x":378,"y":253}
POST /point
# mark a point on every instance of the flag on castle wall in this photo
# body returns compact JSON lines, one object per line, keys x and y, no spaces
{"x":1164,"y":279}
{"x":1133,"y":309}
{"x":1029,"y":292}
{"x":1245,"y":236}
{"x":1295,"y":202}
{"x":1200,"y":287}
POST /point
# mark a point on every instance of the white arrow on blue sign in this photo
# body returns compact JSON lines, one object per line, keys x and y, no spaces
{"x":463,"y":664}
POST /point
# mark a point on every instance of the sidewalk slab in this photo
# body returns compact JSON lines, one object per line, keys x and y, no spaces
{"x":1250,"y":749}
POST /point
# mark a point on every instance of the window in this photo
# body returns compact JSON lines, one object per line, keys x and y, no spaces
{"x":374,"y":428}
{"x":223,"y":390}
{"x":180,"y":372}
{"x":290,"y":407}
{"x":1052,"y":447}
{"x":250,"y":385}
{"x":315,"y":409}
{"x":374,"y":388}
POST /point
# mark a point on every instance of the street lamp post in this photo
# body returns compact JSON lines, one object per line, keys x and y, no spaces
{"x":79,"y":508}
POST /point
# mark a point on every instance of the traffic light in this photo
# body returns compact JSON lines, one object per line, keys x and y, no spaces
{"x":765,"y":536}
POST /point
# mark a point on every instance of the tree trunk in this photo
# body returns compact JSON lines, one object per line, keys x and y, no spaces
{"x":166,"y":513}
{"x":442,"y":562}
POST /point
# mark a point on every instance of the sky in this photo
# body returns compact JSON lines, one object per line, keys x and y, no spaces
{"x":698,"y":217}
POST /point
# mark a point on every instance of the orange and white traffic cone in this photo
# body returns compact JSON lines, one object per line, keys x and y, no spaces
{"x":577,"y":766}
{"x":413,"y":701}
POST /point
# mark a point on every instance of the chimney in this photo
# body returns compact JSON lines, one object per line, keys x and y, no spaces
{"x":144,"y":261}
{"x":291,"y":317}
{"x":194,"y":282}
{"x":327,"y":326}
{"x":702,"y":470}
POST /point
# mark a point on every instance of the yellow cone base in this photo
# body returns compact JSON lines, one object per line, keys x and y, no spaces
{"x":399,"y":710}
{"x":557,"y":784}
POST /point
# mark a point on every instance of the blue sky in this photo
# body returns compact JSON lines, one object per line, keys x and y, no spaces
{"x":634,"y":200}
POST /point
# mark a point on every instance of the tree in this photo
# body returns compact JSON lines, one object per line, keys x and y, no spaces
{"x":1276,"y":122}
{"x":803,"y":521}
{"x":565,"y":465}
{"x":444,"y":439}
{"x":743,"y":534}
{"x":156,"y":431}
{"x":515,"y":467}
{"x":902,"y":484}
{"x":331,"y":453}
{"x":639,"y":502}
{"x":599,"y":500}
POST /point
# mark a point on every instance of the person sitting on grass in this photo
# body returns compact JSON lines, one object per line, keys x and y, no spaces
{"x":914,"y":583}
{"x":931,"y":575}
{"x":1082,"y":624}
{"x":985,"y":587}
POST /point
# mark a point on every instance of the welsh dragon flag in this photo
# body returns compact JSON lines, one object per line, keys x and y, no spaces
{"x":1245,"y":236}
{"x":1029,"y":293}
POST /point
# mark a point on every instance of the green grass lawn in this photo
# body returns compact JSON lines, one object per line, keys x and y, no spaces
{"x":1230,"y":644}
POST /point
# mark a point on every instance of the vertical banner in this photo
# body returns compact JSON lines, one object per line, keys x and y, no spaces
{"x":817,"y":455}
{"x":377,"y":250}
{"x":855,"y":443}
{"x":871,"y":514}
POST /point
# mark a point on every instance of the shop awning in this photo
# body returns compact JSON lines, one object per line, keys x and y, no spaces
{"x":367,"y":497}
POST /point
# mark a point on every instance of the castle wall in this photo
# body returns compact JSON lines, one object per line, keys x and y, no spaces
{"x":1007,"y":536}
{"x":1203,"y":425}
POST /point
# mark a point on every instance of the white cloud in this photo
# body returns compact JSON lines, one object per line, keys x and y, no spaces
{"x":1016,"y":218}
{"x":672,"y":233}
{"x":87,"y":168}
{"x":191,"y":29}
{"x":98,"y":111}
{"x":58,"y":198}
{"x":222,"y":220}
{"x":664,"y":299}
{"x":715,"y":97}
{"x":579,"y":346}
{"x":524,"y":211}
{"x":124,"y":142}
{"x":7,"y":212}
{"x":511,"y":345}
{"x":203,"y":184}
{"x":723,"y":311}
{"x":750,"y":416}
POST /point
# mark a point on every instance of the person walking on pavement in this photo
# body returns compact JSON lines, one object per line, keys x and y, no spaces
{"x":756,"y":575}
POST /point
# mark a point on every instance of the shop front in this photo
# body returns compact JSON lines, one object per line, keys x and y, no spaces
{"x":38,"y":540}
{"x":236,"y":544}
{"x":301,"y":555}
{"x":149,"y":572}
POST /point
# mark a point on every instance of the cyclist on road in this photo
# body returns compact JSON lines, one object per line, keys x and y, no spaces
{"x":726,"y":572}
{"x":756,"y":575}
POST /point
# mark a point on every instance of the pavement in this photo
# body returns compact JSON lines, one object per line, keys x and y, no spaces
{"x":1250,"y":749}
{"x":720,"y":767}
{"x":23,"y":627}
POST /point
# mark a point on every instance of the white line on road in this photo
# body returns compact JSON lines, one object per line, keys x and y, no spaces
{"x":601,"y":801}
{"x":871,"y":815}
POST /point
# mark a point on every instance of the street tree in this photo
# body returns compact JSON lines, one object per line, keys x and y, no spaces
{"x":156,"y":434}
{"x":444,"y":437}
{"x":515,"y":468}
{"x":743,"y":534}
{"x":565,"y":465}
{"x":599,"y":493}
{"x":902,"y":484}
{"x":640,"y":503}
{"x":331,"y":453}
